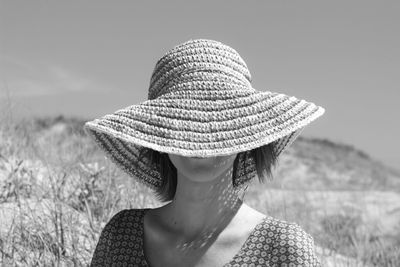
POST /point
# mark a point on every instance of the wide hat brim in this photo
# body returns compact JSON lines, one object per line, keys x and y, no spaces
{"x":201,"y":123}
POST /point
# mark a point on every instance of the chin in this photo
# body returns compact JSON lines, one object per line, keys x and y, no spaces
{"x":202,"y":169}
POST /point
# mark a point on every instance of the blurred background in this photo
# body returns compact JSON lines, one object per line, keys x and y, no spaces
{"x":63,"y":63}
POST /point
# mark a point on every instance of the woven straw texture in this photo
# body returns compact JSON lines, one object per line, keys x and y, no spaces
{"x":201,"y":104}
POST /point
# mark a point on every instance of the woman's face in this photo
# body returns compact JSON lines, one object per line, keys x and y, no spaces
{"x":202,"y":169}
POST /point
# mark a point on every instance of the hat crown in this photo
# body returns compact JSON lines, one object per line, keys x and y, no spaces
{"x":199,"y":64}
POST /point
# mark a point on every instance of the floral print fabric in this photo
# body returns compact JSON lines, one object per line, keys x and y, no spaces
{"x":272,"y":242}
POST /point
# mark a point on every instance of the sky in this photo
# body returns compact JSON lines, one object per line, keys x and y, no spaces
{"x":90,"y":58}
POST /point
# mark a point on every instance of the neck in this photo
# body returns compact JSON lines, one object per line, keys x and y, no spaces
{"x":200,"y":210}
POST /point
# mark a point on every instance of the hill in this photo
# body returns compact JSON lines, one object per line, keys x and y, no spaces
{"x":320,"y":164}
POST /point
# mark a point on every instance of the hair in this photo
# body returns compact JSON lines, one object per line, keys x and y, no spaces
{"x":265,"y":159}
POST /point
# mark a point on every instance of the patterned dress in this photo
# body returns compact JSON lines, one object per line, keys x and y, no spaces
{"x":272,"y":242}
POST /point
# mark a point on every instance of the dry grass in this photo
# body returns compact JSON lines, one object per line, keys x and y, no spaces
{"x":57,"y":191}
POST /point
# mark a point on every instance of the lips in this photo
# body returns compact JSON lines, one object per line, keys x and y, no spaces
{"x":201,"y":160}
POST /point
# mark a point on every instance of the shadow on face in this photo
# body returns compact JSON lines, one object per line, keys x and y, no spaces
{"x":202,"y":169}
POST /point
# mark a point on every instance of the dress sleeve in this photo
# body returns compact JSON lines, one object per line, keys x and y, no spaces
{"x":101,"y":255}
{"x":296,"y":247}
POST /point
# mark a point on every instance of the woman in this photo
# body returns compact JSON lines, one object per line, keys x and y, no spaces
{"x":198,"y":141}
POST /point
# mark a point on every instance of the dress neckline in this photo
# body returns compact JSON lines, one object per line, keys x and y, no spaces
{"x":231,"y":261}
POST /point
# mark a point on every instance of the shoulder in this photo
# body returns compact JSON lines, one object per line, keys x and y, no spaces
{"x":122,"y":222}
{"x":290,"y":243}
{"x":123,"y":218}
{"x":121,"y":233}
{"x":126,"y":222}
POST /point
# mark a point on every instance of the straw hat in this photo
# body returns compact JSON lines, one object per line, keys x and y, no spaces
{"x":201,"y":104}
